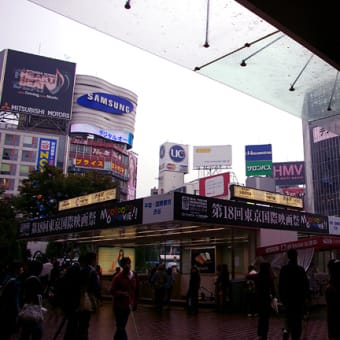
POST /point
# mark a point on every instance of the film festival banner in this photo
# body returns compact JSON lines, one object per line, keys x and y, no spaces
{"x":224,"y":212}
{"x":101,"y":216}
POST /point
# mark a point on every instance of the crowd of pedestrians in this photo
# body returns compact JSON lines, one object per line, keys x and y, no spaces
{"x":76,"y":290}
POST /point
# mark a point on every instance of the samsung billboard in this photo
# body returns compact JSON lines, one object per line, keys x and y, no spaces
{"x":37,"y":85}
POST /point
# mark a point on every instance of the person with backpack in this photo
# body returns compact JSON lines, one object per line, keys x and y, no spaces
{"x":125,"y":291}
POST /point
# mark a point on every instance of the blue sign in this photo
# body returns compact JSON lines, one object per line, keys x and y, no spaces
{"x":106,"y":102}
{"x":46,"y":152}
{"x":259,"y":152}
{"x":177,"y":153}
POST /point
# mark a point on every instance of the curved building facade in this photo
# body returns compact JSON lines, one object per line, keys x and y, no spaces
{"x":101,"y":131}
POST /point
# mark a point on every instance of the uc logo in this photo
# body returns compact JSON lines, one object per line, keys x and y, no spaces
{"x":177,"y":153}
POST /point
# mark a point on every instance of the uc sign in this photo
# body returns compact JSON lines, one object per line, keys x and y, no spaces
{"x":177,"y":153}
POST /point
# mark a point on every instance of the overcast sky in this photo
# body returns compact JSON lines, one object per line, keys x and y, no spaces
{"x":174,"y":104}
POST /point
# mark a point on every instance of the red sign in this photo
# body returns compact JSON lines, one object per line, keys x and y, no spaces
{"x":323,"y":242}
{"x":215,"y":186}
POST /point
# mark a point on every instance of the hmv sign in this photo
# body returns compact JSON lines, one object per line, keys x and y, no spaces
{"x":289,"y":173}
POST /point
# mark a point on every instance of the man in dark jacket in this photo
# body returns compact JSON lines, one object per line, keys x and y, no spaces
{"x":293,"y":290}
{"x":124,"y":290}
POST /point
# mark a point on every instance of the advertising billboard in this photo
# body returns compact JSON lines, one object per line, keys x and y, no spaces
{"x":46,"y":152}
{"x":334,"y":225}
{"x":37,"y":85}
{"x":259,"y":160}
{"x":80,"y":201}
{"x":204,"y":259}
{"x":214,"y":186}
{"x":173,"y":157}
{"x":289,"y":173}
{"x":112,"y":135}
{"x":239,"y":192}
{"x":109,"y":258}
{"x":212,"y":156}
{"x":106,"y":102}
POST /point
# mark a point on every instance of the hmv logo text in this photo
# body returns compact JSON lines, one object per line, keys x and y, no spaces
{"x":177,"y":153}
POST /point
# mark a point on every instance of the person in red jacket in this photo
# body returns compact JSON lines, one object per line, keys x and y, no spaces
{"x":124,"y":290}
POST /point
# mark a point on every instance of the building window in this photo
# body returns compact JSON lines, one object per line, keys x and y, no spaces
{"x":8,"y":169}
{"x":12,"y":139}
{"x":29,"y":156}
{"x":7,"y":183}
{"x":25,"y":170}
{"x":30,"y":142}
{"x":10,"y":154}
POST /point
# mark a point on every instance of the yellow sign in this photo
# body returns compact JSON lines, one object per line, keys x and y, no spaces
{"x":265,"y":197}
{"x":80,"y":201}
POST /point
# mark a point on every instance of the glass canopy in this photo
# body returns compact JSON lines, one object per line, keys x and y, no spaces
{"x":223,"y":41}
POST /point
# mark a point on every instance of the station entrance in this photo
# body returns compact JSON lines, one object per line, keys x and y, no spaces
{"x":203,"y":231}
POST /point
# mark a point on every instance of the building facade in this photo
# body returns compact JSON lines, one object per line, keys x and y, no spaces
{"x":51,"y":116}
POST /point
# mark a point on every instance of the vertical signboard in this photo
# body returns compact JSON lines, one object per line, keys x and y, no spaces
{"x":46,"y":152}
{"x":37,"y":85}
{"x":259,"y":160}
{"x":132,"y":181}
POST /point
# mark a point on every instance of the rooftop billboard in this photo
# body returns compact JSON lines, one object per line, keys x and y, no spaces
{"x":289,"y":173}
{"x":212,"y":156}
{"x":37,"y":85}
{"x":259,"y":160}
{"x":173,"y":157}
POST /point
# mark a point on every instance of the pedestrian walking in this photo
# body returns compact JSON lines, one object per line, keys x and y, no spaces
{"x":125,"y":291}
{"x":222,"y":288}
{"x":265,"y":293}
{"x":250,"y":291}
{"x":293,"y":292}
{"x":194,"y":286}
{"x":159,"y":281}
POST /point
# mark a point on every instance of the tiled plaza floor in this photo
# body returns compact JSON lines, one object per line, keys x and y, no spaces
{"x":176,"y":324}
